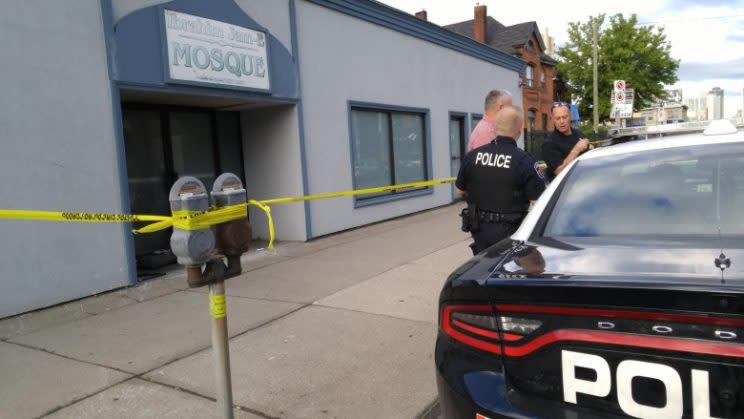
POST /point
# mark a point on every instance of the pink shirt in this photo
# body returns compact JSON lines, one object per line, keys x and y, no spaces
{"x":483,"y":133}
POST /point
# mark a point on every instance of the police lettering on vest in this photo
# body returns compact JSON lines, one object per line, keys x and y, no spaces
{"x":490,"y":159}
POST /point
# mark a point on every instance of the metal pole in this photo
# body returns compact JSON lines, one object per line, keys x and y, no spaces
{"x":594,"y":65}
{"x":220,"y":348}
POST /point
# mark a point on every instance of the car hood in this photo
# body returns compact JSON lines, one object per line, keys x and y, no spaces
{"x":617,"y":262}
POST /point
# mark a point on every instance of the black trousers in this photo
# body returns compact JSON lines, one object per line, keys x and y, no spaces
{"x":491,"y":233}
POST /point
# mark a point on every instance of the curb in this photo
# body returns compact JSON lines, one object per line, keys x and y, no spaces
{"x":432,"y":411}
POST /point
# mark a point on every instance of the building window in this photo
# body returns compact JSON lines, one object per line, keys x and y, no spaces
{"x":529,"y":76}
{"x":531,"y":114}
{"x":389,"y":147}
{"x":542,"y":79}
{"x":545,"y":122}
{"x":474,"y":119}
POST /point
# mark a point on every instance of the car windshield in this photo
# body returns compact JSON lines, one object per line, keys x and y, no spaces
{"x":686,"y":191}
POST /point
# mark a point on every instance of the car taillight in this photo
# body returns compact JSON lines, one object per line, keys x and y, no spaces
{"x":472,"y":325}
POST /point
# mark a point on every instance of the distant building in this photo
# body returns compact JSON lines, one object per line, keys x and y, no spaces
{"x":715,"y":103}
{"x":670,"y":113}
{"x":549,"y":42}
{"x":523,"y":40}
{"x":697,"y":107}
{"x":674,"y":95}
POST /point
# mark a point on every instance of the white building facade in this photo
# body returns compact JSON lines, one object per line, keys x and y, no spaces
{"x":297,"y":97}
{"x":715,"y":103}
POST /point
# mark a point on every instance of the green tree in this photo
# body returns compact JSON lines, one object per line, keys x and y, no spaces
{"x":640,"y":55}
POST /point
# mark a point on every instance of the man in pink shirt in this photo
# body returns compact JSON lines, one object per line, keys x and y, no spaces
{"x":485,"y":131}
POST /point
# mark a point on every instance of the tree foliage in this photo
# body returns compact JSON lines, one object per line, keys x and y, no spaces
{"x":640,"y":55}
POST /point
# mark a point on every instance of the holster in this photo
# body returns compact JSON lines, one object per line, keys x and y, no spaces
{"x":473,"y":217}
{"x":465,"y":220}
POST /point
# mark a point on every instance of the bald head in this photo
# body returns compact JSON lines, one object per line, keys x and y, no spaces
{"x":509,"y":121}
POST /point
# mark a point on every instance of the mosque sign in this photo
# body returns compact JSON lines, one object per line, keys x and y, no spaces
{"x":202,"y":50}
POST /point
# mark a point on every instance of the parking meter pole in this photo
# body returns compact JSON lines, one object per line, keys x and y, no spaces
{"x":220,"y":348}
{"x":195,"y":249}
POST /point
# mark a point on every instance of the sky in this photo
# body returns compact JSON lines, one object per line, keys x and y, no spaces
{"x":706,"y":36}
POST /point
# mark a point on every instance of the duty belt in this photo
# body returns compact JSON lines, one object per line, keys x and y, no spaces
{"x":497,"y":217}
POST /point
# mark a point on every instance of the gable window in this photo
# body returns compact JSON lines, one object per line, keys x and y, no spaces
{"x":530,"y":76}
{"x":389,"y":147}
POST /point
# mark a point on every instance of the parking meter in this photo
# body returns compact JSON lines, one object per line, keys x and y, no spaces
{"x":192,"y":247}
{"x":232,"y":238}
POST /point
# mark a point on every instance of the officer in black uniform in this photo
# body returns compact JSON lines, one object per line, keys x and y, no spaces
{"x":565,"y":143}
{"x":500,"y":182}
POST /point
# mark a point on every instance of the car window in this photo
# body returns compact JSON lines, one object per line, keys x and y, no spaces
{"x":681,"y":191}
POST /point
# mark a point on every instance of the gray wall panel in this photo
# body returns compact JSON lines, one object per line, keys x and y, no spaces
{"x":122,"y":8}
{"x":59,"y":153}
{"x":271,"y":14}
{"x":369,"y":63}
{"x":271,"y":145}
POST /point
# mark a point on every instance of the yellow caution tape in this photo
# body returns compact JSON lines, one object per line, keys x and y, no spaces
{"x":82,"y":217}
{"x":359,"y":191}
{"x":265,"y":208}
{"x":197,"y":220}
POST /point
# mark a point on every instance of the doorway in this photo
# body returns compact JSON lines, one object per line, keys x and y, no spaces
{"x":163,"y":143}
{"x":457,"y":146}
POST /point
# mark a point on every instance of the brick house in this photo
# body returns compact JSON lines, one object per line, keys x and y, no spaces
{"x":538,"y":83}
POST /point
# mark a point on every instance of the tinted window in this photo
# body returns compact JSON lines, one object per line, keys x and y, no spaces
{"x":681,"y":191}
{"x":389,"y":148}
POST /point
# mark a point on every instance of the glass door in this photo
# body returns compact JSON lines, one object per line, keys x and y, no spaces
{"x":192,"y":146}
{"x":149,"y":177}
{"x":164,"y":143}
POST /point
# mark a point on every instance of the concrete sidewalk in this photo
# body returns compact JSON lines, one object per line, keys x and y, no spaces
{"x":340,"y":327}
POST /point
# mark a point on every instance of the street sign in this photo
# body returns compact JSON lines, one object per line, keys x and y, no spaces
{"x":622,"y":110}
{"x":622,"y":101}
{"x":629,"y":94}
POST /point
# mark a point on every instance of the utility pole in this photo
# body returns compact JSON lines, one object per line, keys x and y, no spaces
{"x":595,"y":108}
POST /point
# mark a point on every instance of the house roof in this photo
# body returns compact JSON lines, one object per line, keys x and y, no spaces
{"x":507,"y":39}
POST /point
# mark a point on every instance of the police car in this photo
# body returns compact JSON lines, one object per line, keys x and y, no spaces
{"x":620,"y":295}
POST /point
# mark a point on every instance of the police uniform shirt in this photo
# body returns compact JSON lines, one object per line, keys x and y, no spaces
{"x":500,"y":177}
{"x":557,"y":147}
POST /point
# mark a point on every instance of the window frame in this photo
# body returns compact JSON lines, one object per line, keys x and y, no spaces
{"x":531,"y":119}
{"x":390,"y":110}
{"x":542,"y":79}
{"x":529,"y":75}
{"x":465,"y":135}
{"x":471,"y":125}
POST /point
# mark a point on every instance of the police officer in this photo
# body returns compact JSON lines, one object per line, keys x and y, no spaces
{"x":499,"y":181}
